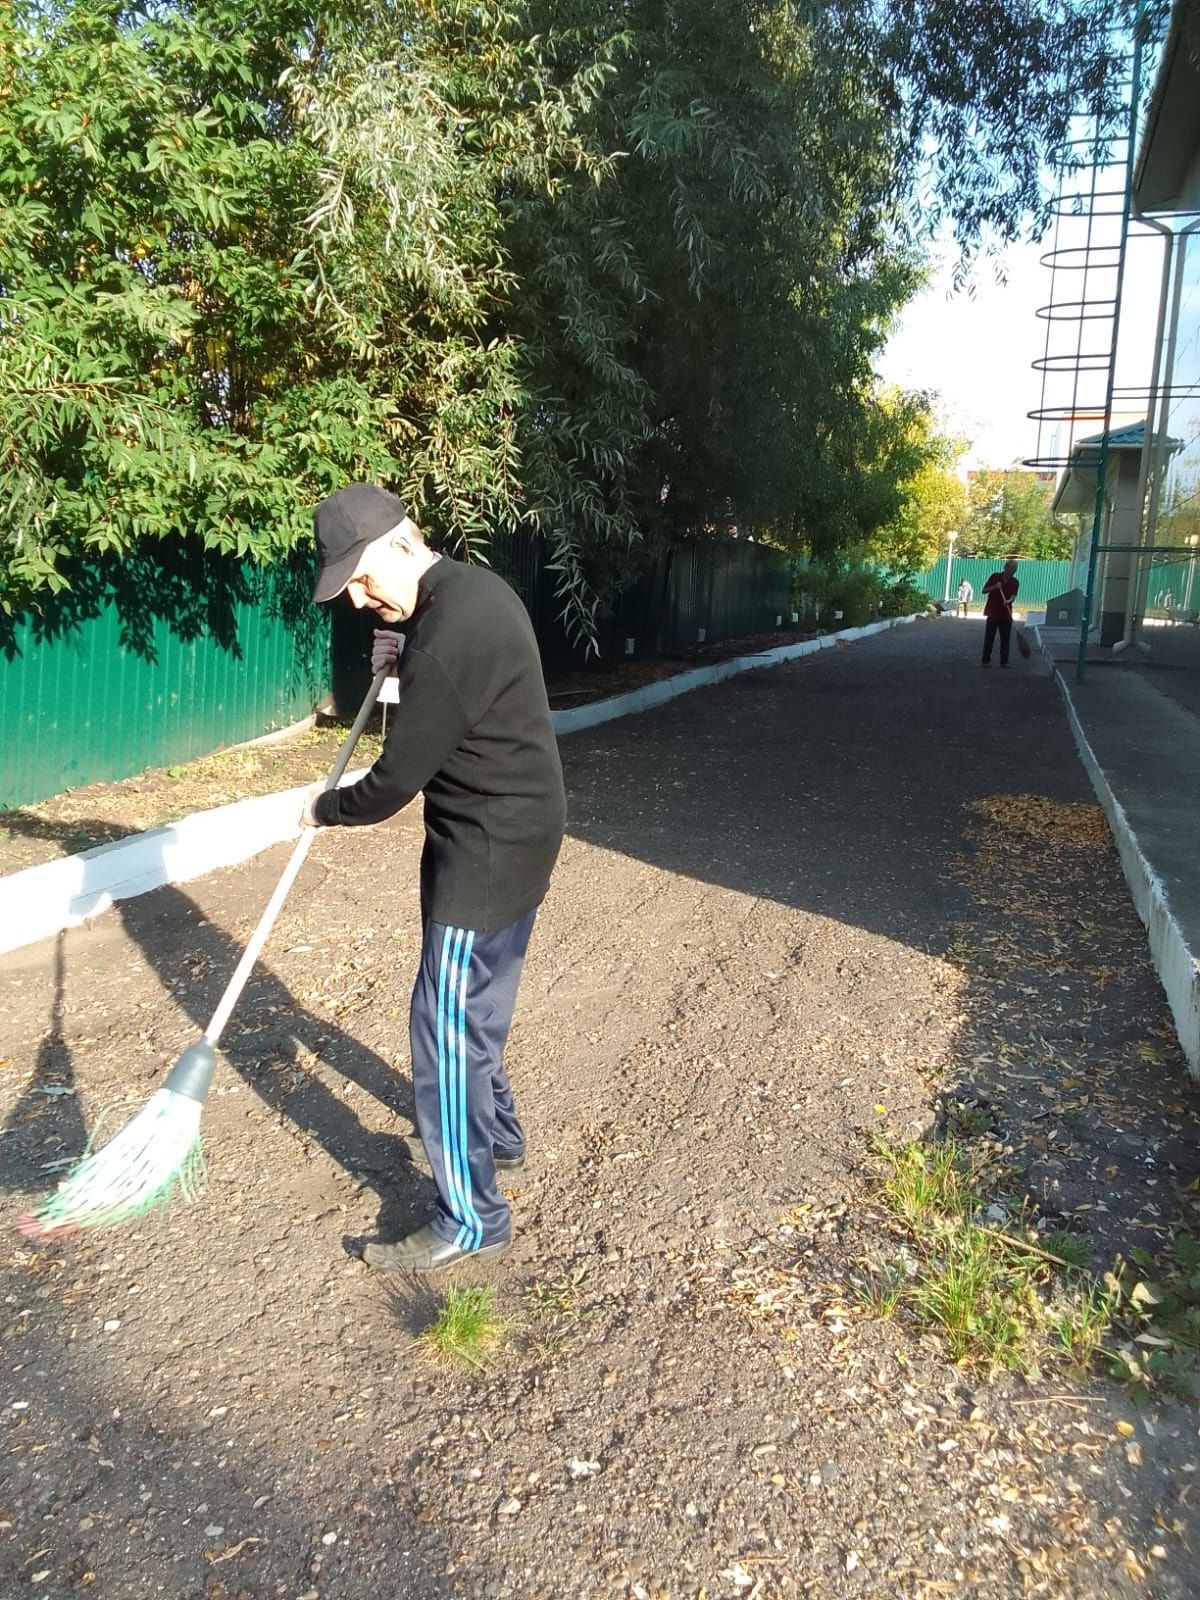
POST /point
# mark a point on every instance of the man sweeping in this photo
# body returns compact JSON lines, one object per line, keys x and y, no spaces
{"x":1001,"y":590}
{"x":473,"y":735}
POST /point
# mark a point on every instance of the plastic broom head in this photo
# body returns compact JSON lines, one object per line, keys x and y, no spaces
{"x":155,"y":1158}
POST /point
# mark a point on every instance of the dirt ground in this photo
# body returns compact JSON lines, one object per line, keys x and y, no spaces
{"x":809,"y":903}
{"x":98,"y":813}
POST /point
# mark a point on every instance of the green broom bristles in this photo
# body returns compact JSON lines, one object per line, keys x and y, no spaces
{"x":156,"y":1154}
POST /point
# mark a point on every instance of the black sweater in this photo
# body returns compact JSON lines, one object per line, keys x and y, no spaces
{"x":473,"y":732}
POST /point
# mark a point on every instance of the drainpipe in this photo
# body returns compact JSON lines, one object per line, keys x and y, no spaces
{"x":1133,"y":603}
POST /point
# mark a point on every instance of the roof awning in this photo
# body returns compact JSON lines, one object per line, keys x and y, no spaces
{"x":1076,"y":492}
{"x":1165,"y":180}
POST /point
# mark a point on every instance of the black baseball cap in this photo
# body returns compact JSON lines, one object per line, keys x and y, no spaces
{"x":345,"y":525}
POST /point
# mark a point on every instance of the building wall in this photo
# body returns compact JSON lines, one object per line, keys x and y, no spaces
{"x":1178,"y":519}
{"x":1190,"y":189}
{"x":1122,"y":526}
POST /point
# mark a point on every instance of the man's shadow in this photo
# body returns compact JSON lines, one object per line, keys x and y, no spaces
{"x":275,"y":1045}
{"x":45,"y":1133}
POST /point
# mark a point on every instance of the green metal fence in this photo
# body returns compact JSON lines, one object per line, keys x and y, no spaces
{"x":723,"y":589}
{"x":150,"y":662}
{"x":1040,"y":580}
{"x":173,"y":654}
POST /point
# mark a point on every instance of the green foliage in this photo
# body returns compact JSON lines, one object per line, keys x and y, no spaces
{"x":1080,"y":1324}
{"x":832,"y":595}
{"x":928,"y":1183}
{"x":991,"y":1296}
{"x":903,"y":598}
{"x":151,"y":303}
{"x":1073,"y":1248}
{"x":979,"y":99}
{"x":239,"y":271}
{"x":1156,"y":1299}
{"x":619,"y":273}
{"x":925,"y":497}
{"x":858,"y":593}
{"x":1013,"y":1296}
{"x":1008,"y":513}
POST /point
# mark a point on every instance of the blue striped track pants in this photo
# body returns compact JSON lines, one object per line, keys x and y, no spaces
{"x":462,"y":1009}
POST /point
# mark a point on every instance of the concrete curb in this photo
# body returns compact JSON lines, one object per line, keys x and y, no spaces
{"x":41,"y":901}
{"x":1177,"y":965}
{"x":657,"y":694}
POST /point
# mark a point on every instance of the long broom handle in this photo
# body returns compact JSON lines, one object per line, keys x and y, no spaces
{"x":267,"y":921}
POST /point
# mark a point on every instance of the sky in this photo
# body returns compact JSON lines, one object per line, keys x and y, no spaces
{"x":977,"y":351}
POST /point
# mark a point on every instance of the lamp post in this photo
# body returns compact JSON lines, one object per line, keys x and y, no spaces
{"x":949,"y":563}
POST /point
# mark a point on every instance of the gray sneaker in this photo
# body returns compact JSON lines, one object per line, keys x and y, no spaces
{"x":426,"y":1251}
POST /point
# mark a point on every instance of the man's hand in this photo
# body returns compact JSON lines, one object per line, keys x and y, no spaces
{"x":385,"y":652}
{"x":307,"y":817}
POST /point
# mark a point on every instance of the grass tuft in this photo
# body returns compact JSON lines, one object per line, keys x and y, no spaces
{"x":466,"y":1329}
{"x":1072,"y":1248}
{"x":981,"y":1290}
{"x":881,"y":1290}
{"x":970,"y":1292}
{"x":556,"y":1313}
{"x":1080,"y":1324}
{"x":928,"y":1183}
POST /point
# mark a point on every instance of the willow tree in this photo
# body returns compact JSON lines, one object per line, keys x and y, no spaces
{"x":246,"y":257}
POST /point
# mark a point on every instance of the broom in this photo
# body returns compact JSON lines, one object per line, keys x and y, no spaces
{"x":158,"y":1152}
{"x":1022,"y":641}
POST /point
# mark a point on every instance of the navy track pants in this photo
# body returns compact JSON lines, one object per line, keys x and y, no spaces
{"x":1003,"y":626}
{"x":462,"y":1009}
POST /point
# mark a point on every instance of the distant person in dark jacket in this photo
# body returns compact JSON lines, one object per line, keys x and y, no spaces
{"x":1001,"y":590}
{"x":473,"y":734}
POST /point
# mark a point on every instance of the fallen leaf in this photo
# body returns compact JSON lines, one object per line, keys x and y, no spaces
{"x":233,"y":1550}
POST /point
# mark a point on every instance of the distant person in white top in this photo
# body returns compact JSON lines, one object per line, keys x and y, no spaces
{"x":965,"y":595}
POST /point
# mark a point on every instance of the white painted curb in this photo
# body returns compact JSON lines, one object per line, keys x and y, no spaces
{"x":42,"y":900}
{"x":657,"y":694}
{"x":1177,"y":965}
